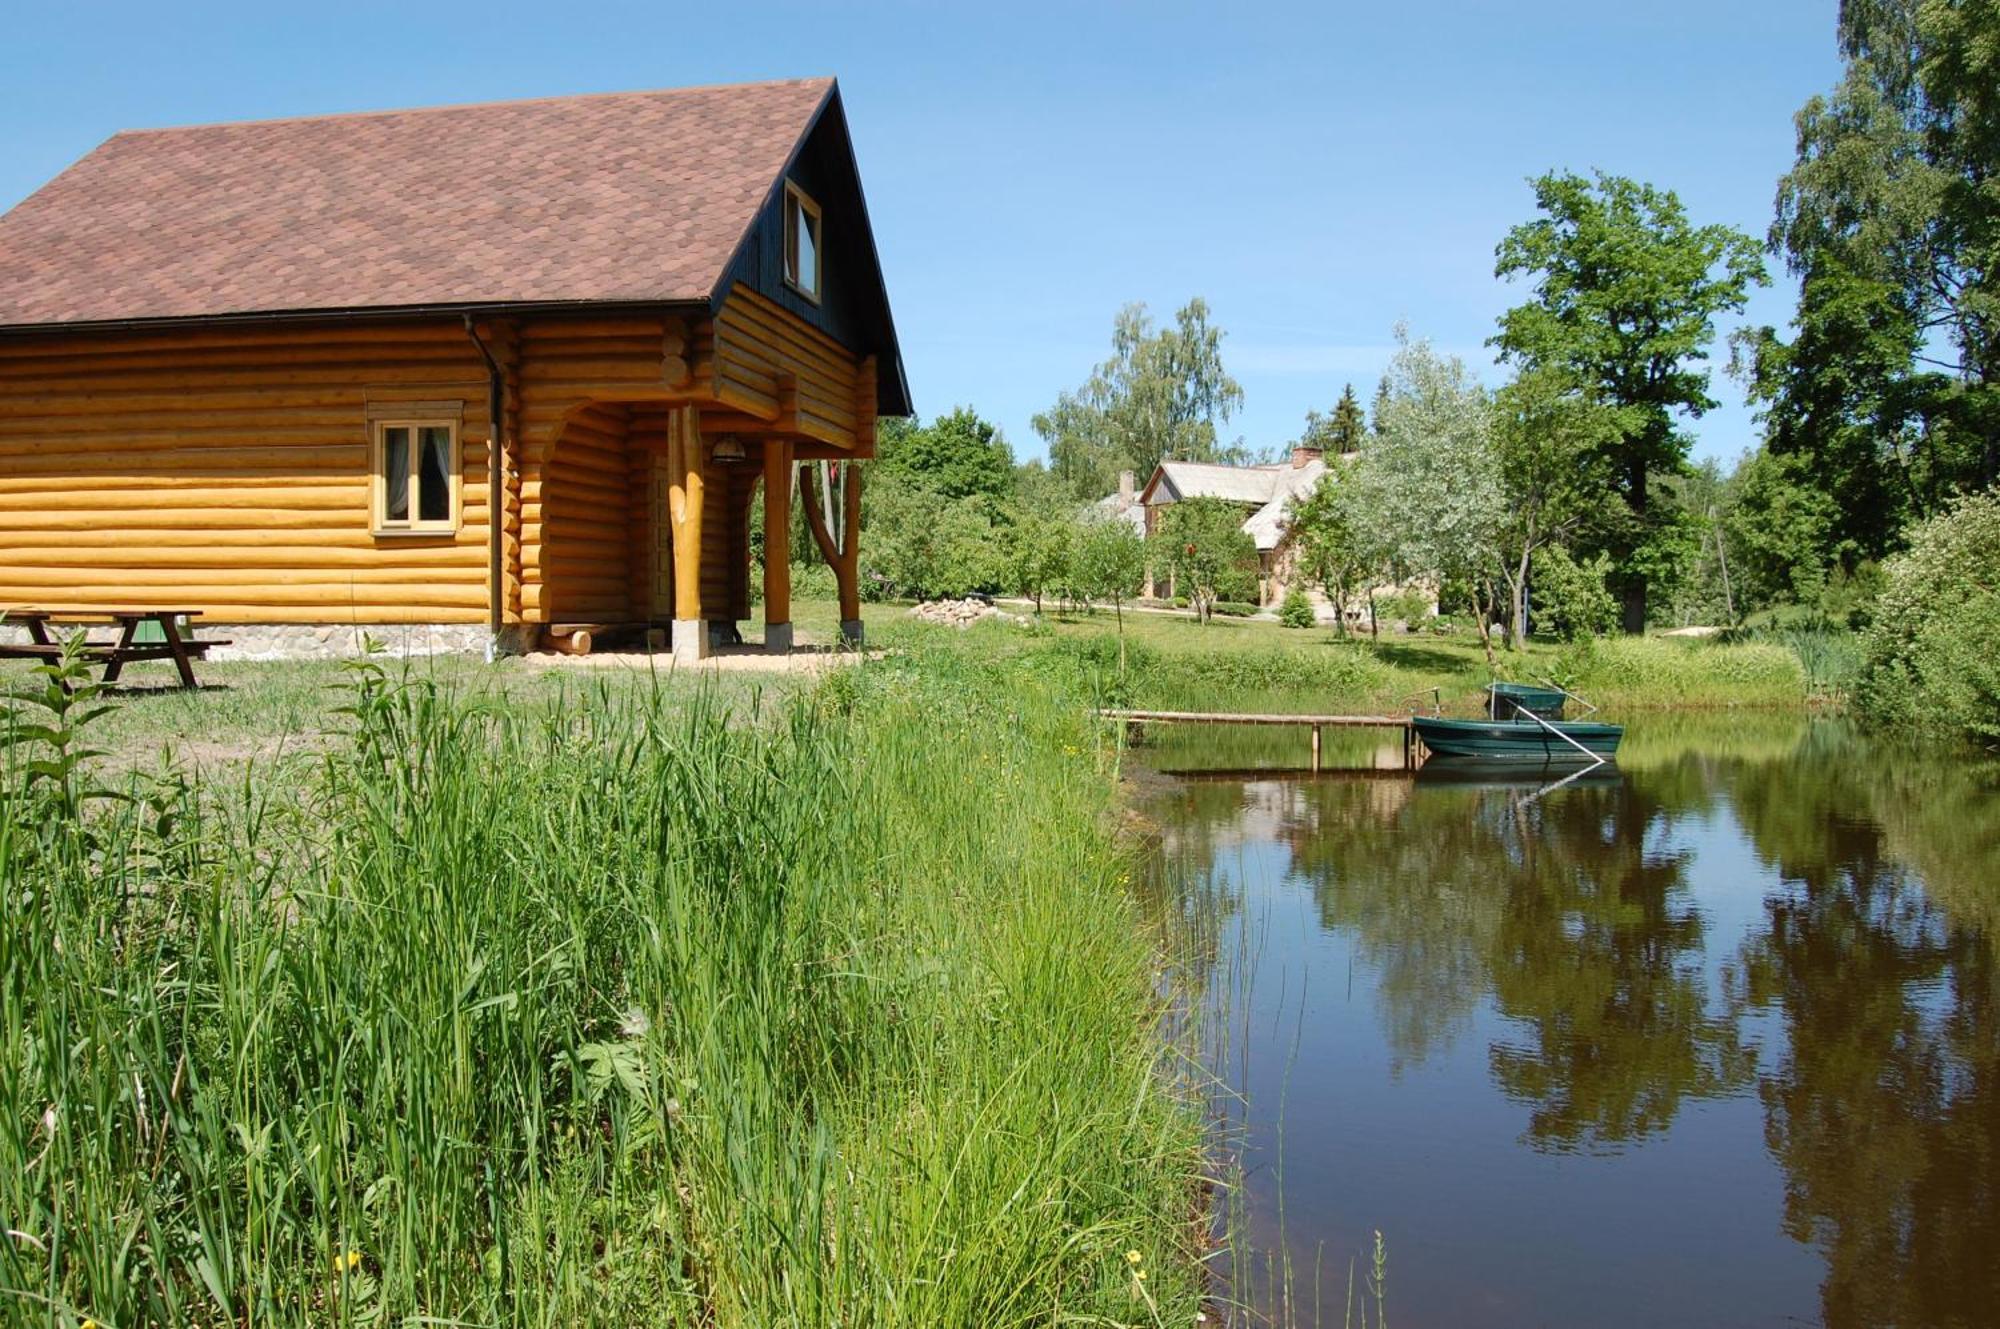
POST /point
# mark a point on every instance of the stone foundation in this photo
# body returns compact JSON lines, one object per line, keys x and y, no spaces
{"x":325,"y":641}
{"x":322,"y":641}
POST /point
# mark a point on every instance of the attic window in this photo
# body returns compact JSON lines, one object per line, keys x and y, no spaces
{"x":801,"y":242}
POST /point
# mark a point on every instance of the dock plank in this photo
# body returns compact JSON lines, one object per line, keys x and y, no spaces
{"x":1225,"y":717}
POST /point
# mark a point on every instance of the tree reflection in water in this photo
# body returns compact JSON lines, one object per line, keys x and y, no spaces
{"x":1577,"y":918}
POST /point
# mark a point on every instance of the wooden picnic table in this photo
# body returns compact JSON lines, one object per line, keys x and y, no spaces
{"x":113,"y":655}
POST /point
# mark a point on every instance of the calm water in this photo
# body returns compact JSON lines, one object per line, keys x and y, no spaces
{"x":1713,"y":1041}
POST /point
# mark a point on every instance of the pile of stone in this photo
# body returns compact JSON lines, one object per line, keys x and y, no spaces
{"x":961,"y":613}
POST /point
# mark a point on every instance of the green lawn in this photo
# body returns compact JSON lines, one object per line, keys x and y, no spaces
{"x":1240,"y":664}
{"x":262,"y":710}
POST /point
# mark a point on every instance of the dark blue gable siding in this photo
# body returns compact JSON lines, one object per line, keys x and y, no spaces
{"x":853,"y":307}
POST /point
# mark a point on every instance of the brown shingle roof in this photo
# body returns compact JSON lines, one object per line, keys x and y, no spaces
{"x":626,"y":197}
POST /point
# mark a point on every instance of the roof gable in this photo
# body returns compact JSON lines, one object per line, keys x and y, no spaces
{"x":1268,"y":490}
{"x":853,"y":307}
{"x":625,"y":198}
{"x":1232,"y":484}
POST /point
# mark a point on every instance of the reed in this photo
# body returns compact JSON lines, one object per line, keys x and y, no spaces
{"x":1653,"y":671}
{"x":608,"y":1007}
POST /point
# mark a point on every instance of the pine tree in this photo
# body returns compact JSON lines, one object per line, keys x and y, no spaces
{"x":1348,"y":427}
{"x":1381,"y":404}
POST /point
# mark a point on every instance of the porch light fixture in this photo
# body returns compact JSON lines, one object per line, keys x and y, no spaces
{"x":729,"y":448}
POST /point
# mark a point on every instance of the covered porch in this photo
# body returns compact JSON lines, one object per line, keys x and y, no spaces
{"x":646,"y":511}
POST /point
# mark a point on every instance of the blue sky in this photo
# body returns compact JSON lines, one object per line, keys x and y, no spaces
{"x":1317,"y":172}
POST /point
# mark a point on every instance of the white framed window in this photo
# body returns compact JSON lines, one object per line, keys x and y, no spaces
{"x":415,"y":470}
{"x":802,"y":242}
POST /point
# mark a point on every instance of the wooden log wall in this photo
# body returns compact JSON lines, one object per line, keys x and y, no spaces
{"x":648,"y":537}
{"x":725,"y":540}
{"x":228,"y":471}
{"x":577,"y":567}
{"x":762,"y":350}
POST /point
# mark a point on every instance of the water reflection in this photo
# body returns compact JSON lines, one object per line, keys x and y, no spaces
{"x":1770,"y":915}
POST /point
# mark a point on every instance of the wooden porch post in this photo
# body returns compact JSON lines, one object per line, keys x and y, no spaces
{"x":777,"y":546}
{"x":685,"y":502}
{"x":842,"y":555}
{"x":849,"y":573}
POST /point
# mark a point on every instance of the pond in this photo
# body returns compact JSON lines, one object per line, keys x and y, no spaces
{"x":1710,"y":1040}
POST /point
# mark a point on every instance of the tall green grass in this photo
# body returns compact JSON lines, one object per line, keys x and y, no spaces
{"x":607,"y":1009}
{"x":1312,"y":677}
{"x":1653,"y":671}
{"x":1831,"y":657}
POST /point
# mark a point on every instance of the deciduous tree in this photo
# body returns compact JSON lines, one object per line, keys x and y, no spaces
{"x":1549,"y":440}
{"x":1889,"y":389}
{"x":1203,"y":542}
{"x":1161,"y":395}
{"x":1428,"y":490}
{"x":954,"y":456}
{"x":1110,"y":562}
{"x":1331,"y":546}
{"x":1626,"y":295}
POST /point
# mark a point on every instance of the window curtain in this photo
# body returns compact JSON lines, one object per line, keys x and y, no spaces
{"x":396,"y":474}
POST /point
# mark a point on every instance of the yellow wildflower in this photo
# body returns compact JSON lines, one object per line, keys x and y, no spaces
{"x":1133,"y":1257}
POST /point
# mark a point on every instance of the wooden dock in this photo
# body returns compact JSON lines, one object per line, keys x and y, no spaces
{"x":1316,"y":723}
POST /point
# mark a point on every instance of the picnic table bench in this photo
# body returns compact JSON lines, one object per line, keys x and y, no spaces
{"x":113,"y":655}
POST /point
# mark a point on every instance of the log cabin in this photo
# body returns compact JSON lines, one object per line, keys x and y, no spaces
{"x":493,"y":374}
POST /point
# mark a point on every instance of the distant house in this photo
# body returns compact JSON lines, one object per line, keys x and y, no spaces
{"x":1265,"y":493}
{"x":1122,"y":506}
{"x":465,"y":374}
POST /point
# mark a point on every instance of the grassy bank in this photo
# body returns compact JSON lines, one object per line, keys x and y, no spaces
{"x":593,"y":1006}
{"x":1176,"y":663}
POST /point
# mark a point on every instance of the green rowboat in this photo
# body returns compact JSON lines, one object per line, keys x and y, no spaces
{"x":1543,"y":742}
{"x":1507,"y":701}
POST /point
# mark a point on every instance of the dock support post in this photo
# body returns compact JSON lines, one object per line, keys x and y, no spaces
{"x":1315,"y":749}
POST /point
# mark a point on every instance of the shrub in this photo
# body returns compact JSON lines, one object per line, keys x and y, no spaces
{"x":1233,"y":608}
{"x":814,"y":581}
{"x":1238,"y":585}
{"x":1572,"y":601}
{"x":1849,"y":597}
{"x":926,"y":546}
{"x":1411,"y":607}
{"x":1297,"y":610}
{"x":1932,"y":654}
